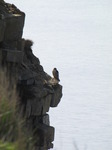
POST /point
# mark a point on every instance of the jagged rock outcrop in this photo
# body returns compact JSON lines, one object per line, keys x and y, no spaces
{"x":37,"y":91}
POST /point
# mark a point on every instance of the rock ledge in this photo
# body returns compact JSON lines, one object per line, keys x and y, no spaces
{"x":37,"y":92}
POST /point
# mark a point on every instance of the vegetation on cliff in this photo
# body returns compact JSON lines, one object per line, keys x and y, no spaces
{"x":36,"y":94}
{"x":13,"y":134}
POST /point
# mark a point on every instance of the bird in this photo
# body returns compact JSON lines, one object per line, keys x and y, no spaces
{"x":55,"y":74}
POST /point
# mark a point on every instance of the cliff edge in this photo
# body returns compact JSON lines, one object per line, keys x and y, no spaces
{"x":37,"y":91}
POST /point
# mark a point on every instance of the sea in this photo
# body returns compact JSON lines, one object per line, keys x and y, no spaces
{"x":75,"y":36}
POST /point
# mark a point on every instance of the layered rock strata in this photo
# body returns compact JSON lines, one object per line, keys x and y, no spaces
{"x":37,"y":91}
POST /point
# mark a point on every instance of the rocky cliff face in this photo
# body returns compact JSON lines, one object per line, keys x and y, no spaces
{"x":37,"y":90}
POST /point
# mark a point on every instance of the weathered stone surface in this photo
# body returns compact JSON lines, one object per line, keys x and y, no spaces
{"x":36,"y":107}
{"x":2,"y":29}
{"x":14,"y":28}
{"x":37,"y":90}
{"x":46,"y":101}
{"x":14,"y":56}
{"x":0,"y":56}
{"x":56,"y":96}
{"x":11,"y":23}
{"x":20,"y":45}
{"x":27,"y":77}
{"x":45,"y":119}
{"x":46,"y":135}
{"x":33,"y":107}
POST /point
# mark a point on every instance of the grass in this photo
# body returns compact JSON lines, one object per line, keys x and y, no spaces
{"x":7,"y":146}
{"x":13,"y":134}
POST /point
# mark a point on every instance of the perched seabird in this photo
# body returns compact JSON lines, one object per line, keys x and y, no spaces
{"x":55,"y":74}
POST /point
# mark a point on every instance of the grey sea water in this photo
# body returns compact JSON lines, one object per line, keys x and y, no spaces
{"x":76,"y":37}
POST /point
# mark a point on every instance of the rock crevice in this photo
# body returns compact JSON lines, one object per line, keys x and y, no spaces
{"x":37,"y":91}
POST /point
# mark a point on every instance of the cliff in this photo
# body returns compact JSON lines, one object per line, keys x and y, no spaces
{"x":37,"y":90}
